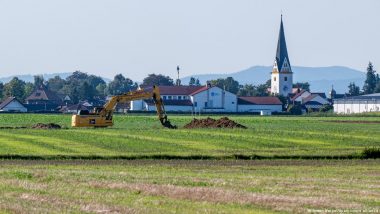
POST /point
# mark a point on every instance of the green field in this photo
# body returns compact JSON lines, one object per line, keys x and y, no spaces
{"x":183,"y":186}
{"x":142,"y":136}
{"x":190,"y":170}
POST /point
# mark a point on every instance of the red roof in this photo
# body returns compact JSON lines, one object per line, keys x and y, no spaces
{"x":42,"y":93}
{"x":172,"y":102}
{"x":298,"y":94}
{"x":259,"y":101}
{"x":177,"y":90}
{"x":203,"y":88}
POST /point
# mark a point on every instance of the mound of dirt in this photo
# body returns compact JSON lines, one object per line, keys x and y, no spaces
{"x":46,"y":126}
{"x":223,"y":122}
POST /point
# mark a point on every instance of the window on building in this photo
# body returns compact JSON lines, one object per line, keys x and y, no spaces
{"x":233,"y":102}
{"x":286,"y":78}
{"x":180,"y":97}
{"x":195,"y":104}
{"x":205,"y":104}
{"x":164,"y":97}
{"x":169,"y":97}
{"x":274,"y":79}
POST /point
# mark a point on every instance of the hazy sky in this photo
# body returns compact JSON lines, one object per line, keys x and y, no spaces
{"x":106,"y":37}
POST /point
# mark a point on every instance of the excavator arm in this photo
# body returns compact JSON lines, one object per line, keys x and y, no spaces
{"x":106,"y":113}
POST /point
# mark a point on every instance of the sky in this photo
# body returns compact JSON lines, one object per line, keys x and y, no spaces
{"x":139,"y":37}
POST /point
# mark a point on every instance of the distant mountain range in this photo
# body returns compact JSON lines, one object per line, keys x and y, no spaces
{"x":320,"y":78}
{"x":30,"y":77}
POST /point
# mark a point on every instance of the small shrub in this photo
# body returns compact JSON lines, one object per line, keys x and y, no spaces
{"x":371,"y":153}
{"x":295,"y":109}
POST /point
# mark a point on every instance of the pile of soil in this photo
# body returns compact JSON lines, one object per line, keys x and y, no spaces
{"x":223,"y":122}
{"x":46,"y":126}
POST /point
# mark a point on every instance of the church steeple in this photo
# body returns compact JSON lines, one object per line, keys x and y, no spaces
{"x":282,"y":75}
{"x":282,"y":58}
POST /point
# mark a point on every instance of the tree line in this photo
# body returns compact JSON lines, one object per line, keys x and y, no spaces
{"x":371,"y":84}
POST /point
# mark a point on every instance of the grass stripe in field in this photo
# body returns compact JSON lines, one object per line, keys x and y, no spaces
{"x":187,"y":144}
{"x":273,"y":138}
{"x":14,"y":146}
{"x":59,"y":145}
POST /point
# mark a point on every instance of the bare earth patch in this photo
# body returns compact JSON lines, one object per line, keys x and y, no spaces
{"x":66,"y":205}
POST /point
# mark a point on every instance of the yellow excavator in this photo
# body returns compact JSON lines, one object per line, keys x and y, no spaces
{"x":102,"y":116}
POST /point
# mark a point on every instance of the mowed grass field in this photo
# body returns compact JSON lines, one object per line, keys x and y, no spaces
{"x":175,"y":185}
{"x":190,"y":186}
{"x":139,"y":136}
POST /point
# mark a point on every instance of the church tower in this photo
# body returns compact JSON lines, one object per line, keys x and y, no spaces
{"x":282,"y":75}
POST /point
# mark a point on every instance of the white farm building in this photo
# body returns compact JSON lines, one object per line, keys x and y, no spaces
{"x":11,"y":104}
{"x":207,"y":99}
{"x":358,"y":104}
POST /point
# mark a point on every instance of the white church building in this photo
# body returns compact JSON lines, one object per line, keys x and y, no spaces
{"x":282,"y":75}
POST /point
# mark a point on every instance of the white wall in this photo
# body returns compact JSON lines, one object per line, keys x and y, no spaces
{"x":172,"y":108}
{"x":217,"y":100}
{"x":137,"y":105}
{"x":15,"y":106}
{"x":259,"y":108}
{"x":278,"y":83}
{"x":349,"y":107}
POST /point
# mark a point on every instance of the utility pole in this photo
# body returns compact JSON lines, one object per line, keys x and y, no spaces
{"x":178,"y":82}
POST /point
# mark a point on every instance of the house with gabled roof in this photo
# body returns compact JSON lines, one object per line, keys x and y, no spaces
{"x":12,"y":104}
{"x":42,"y":95}
{"x":43,"y":100}
{"x":191,"y":99}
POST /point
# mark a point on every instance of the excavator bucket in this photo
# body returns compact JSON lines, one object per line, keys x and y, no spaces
{"x":166,"y":123}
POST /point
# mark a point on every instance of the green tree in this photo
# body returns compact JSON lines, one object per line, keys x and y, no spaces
{"x":295,"y":109}
{"x":159,"y":79}
{"x":247,"y":90}
{"x":229,"y":84}
{"x":302,"y":85}
{"x":15,"y":88}
{"x":38,"y":81}
{"x":377,"y":89}
{"x":192,"y":81}
{"x":28,"y":89}
{"x":197,"y":83}
{"x":86,"y":91}
{"x":1,"y":90}
{"x":326,"y":108}
{"x":254,"y":90}
{"x":371,"y":80}
{"x":94,"y":81}
{"x":283,"y":100}
{"x":120,"y":85}
{"x":56,"y":84}
{"x":101,"y":89}
{"x":79,"y":86}
{"x":353,"y":89}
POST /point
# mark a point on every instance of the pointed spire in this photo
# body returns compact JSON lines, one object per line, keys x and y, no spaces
{"x":282,"y":52}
